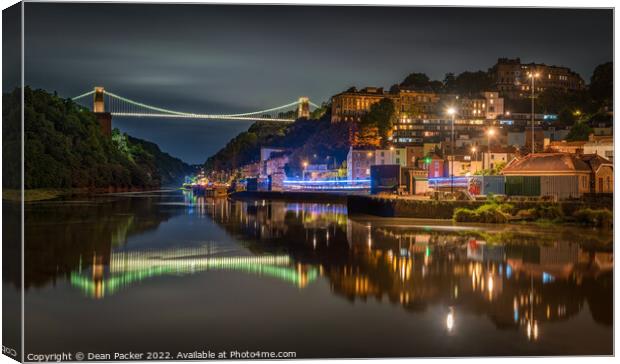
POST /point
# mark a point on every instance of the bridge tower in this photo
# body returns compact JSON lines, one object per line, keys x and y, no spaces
{"x":303,"y":111}
{"x":104,"y":118}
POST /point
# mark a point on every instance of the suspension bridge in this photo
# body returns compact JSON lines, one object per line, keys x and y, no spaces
{"x":106,"y":102}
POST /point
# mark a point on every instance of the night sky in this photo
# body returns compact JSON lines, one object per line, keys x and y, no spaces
{"x":231,"y":59}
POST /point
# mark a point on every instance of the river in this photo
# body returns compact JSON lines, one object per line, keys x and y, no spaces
{"x":171,"y":272}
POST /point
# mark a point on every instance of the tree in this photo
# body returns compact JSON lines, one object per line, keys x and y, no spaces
{"x":416,"y":81}
{"x":579,"y":131}
{"x":319,"y":112}
{"x":381,"y":115}
{"x":449,"y":82}
{"x":496,"y":170}
{"x":566,"y":118}
{"x":555,"y":101}
{"x":602,"y":84}
{"x":470,"y":83}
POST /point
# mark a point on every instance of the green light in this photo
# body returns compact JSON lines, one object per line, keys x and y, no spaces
{"x":261,"y":266}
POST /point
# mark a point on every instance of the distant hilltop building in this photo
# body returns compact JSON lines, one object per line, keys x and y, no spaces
{"x":352,"y":104}
{"x":421,"y":116}
{"x":512,"y":78}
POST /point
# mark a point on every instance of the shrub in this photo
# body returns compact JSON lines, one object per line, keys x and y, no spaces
{"x":549,"y":212}
{"x":488,"y":213}
{"x":507,"y":208}
{"x":529,"y":214}
{"x":491,"y":214}
{"x":541,"y":212}
{"x":600,"y":217}
{"x":462,"y":214}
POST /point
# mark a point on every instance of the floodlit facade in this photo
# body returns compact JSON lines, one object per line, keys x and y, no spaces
{"x":512,"y":81}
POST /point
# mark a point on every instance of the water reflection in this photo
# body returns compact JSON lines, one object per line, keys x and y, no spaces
{"x":522,"y":280}
{"x":127,"y":268}
{"x":518,"y":278}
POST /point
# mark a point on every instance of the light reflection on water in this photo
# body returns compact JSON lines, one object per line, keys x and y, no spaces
{"x":496,"y":281}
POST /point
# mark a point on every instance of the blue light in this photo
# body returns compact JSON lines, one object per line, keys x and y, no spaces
{"x":547,"y":278}
{"x":444,"y":181}
{"x":336,"y":181}
{"x":447,"y":179}
{"x":508,"y":271}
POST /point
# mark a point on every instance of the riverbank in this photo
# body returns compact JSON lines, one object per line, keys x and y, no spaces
{"x":395,"y":206}
{"x":324,"y":197}
{"x":424,"y":209}
{"x":45,"y":194}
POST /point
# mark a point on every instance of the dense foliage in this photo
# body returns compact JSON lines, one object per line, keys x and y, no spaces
{"x":170,"y":171}
{"x":579,"y":131}
{"x":594,"y":217}
{"x":64,"y":148}
{"x":245,"y":147}
{"x":466,"y":83}
{"x":381,"y":116}
{"x":311,"y":140}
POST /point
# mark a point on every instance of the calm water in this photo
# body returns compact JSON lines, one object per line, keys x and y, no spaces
{"x":172,"y":272}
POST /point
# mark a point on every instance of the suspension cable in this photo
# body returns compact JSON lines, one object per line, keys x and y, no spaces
{"x":125,"y":108}
{"x":83,"y":95}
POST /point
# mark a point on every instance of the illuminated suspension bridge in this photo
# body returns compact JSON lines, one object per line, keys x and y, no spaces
{"x":116,"y":105}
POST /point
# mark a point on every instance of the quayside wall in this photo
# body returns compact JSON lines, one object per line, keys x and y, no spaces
{"x":431,"y":209}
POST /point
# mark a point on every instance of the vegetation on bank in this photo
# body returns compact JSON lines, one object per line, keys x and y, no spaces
{"x":314,"y":140}
{"x":594,"y":217}
{"x":170,"y":171}
{"x":40,"y":194}
{"x":492,"y":212}
{"x":64,"y":148}
{"x":496,"y":212}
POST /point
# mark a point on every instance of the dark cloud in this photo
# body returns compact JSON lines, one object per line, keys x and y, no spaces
{"x":219,"y":58}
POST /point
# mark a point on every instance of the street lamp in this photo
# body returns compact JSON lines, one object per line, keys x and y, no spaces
{"x":533,"y":76}
{"x":490,"y":133}
{"x":305,"y":164}
{"x":452,"y":112}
